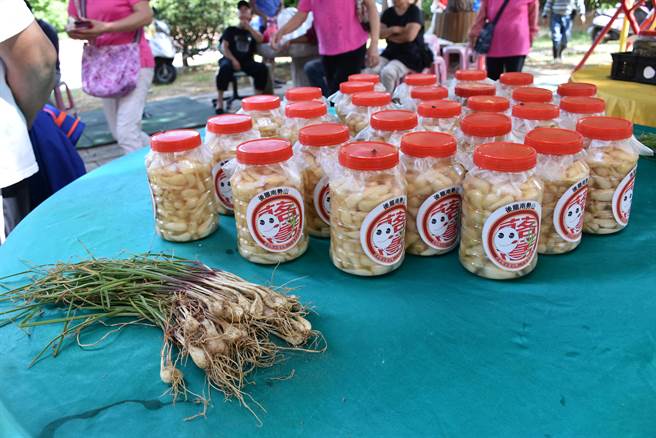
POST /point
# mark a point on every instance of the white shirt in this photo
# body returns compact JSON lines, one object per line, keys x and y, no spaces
{"x":17,"y":160}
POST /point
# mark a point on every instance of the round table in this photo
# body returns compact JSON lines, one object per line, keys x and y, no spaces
{"x":428,"y":350}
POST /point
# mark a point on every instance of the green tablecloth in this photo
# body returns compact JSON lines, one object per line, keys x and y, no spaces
{"x":428,"y":350}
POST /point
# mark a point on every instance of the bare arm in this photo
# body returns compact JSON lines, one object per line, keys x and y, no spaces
{"x":257,"y":36}
{"x":225,"y":49}
{"x":142,"y":16}
{"x":374,"y":23}
{"x":30,"y":60}
{"x":407,"y":34}
{"x":386,"y":32}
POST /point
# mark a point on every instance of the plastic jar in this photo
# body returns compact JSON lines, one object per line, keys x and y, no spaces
{"x":465,"y":91}
{"x":501,"y":212}
{"x":222,"y":136}
{"x":180,"y":179}
{"x":434,"y":187}
{"x":363,"y":106}
{"x":613,"y":161}
{"x":267,"y":190}
{"x":342,"y":100}
{"x":389,"y":126}
{"x":403,"y":91}
{"x":528,"y":116}
{"x":439,"y":115}
{"x":480,"y":128}
{"x":574,"y":108}
{"x":317,"y":148}
{"x":508,"y":82}
{"x":266,"y":113}
{"x":532,"y":95}
{"x":564,"y":173}
{"x":424,"y":93}
{"x":464,"y":77}
{"x":368,"y":209}
{"x":303,"y":94}
{"x":300,"y":114}
{"x":368,"y":77}
{"x":576,"y":89}
{"x":487,"y":104}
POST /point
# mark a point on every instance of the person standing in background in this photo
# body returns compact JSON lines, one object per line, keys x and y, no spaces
{"x":266,"y":10}
{"x":513,"y":35}
{"x":113,"y":22}
{"x":27,"y":72}
{"x":562,"y":13}
{"x":402,"y":25}
{"x":342,"y":38}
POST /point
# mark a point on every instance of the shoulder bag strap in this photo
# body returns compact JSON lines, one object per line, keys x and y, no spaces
{"x":503,"y":7}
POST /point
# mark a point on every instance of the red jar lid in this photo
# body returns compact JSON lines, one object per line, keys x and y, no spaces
{"x":309,"y":109}
{"x":582,"y":104}
{"x":355,"y":87}
{"x":372,"y":98}
{"x":177,"y":140}
{"x":486,"y":125}
{"x":324,"y":134}
{"x":368,"y":155}
{"x":364,"y":77}
{"x":393,"y":120}
{"x":439,"y":109}
{"x":554,"y":141}
{"x":301,"y":94}
{"x":605,"y":128}
{"x":577,"y":89}
{"x":229,"y":124}
{"x":647,"y":33}
{"x":475,"y":89}
{"x":428,"y":144}
{"x":488,"y":104}
{"x":535,"y":111}
{"x":261,"y":102}
{"x":264,"y":151}
{"x":516,"y":79}
{"x":471,"y":75}
{"x":429,"y":92}
{"x":420,"y":79}
{"x":505,"y":157}
{"x":532,"y":94}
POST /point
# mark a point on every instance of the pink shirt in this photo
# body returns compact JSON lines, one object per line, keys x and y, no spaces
{"x":337,"y":26}
{"x":114,"y":10}
{"x":515,"y":30}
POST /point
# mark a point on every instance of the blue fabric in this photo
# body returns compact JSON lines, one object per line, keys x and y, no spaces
{"x":269,"y":7}
{"x":72,"y":126}
{"x":429,"y":350}
{"x":560,"y":27}
{"x":58,"y":159}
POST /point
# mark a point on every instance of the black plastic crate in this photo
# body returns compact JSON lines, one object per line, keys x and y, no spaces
{"x":628,"y":67}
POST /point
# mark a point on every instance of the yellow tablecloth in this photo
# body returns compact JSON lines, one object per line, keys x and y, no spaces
{"x":630,"y":100}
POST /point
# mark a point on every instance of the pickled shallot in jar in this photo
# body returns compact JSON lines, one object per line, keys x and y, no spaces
{"x":479,"y":128}
{"x":363,"y":106}
{"x":465,"y":91}
{"x":528,"y":116}
{"x":572,"y":109}
{"x":510,"y":81}
{"x":266,"y":113}
{"x":424,"y":93}
{"x":532,"y":95}
{"x":301,"y":114}
{"x":487,"y":104}
{"x":368,"y":77}
{"x":439,"y":116}
{"x":342,"y":99}
{"x":389,"y":126}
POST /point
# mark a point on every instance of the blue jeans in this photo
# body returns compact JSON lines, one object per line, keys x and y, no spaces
{"x":316,"y":75}
{"x":561,"y":31}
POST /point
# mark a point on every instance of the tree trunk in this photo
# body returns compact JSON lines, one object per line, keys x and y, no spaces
{"x":460,"y":5}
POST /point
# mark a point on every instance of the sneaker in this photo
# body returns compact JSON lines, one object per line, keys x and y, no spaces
{"x":219,"y":111}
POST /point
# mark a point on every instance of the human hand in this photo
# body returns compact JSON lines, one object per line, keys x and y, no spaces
{"x":472,"y":41}
{"x":582,"y":18}
{"x":396,"y":29}
{"x":275,"y":40}
{"x":373,"y":58}
{"x":235,"y":65}
{"x":95,"y":29}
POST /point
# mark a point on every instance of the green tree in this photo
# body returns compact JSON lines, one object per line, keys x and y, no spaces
{"x":53,"y":11}
{"x":195,"y":24}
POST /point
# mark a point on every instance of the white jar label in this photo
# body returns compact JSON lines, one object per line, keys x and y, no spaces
{"x":321,"y":198}
{"x":275,"y":218}
{"x":622,"y":198}
{"x":438,"y":218}
{"x":382,"y":234}
{"x":568,"y":213}
{"x":221,"y":174}
{"x":510,"y":235}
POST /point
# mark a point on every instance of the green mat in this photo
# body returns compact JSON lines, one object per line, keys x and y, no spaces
{"x":178,"y":112}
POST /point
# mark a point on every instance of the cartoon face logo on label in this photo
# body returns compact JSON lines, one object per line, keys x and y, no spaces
{"x":275,"y":218}
{"x":221,"y":174}
{"x":383,"y":230}
{"x":568,"y":213}
{"x":438,"y":218}
{"x":510,"y":235}
{"x":622,"y":198}
{"x":321,"y":197}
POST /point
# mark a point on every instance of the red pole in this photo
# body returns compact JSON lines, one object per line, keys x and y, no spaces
{"x":599,"y":38}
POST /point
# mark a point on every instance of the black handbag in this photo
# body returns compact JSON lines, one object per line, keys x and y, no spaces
{"x":484,"y":40}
